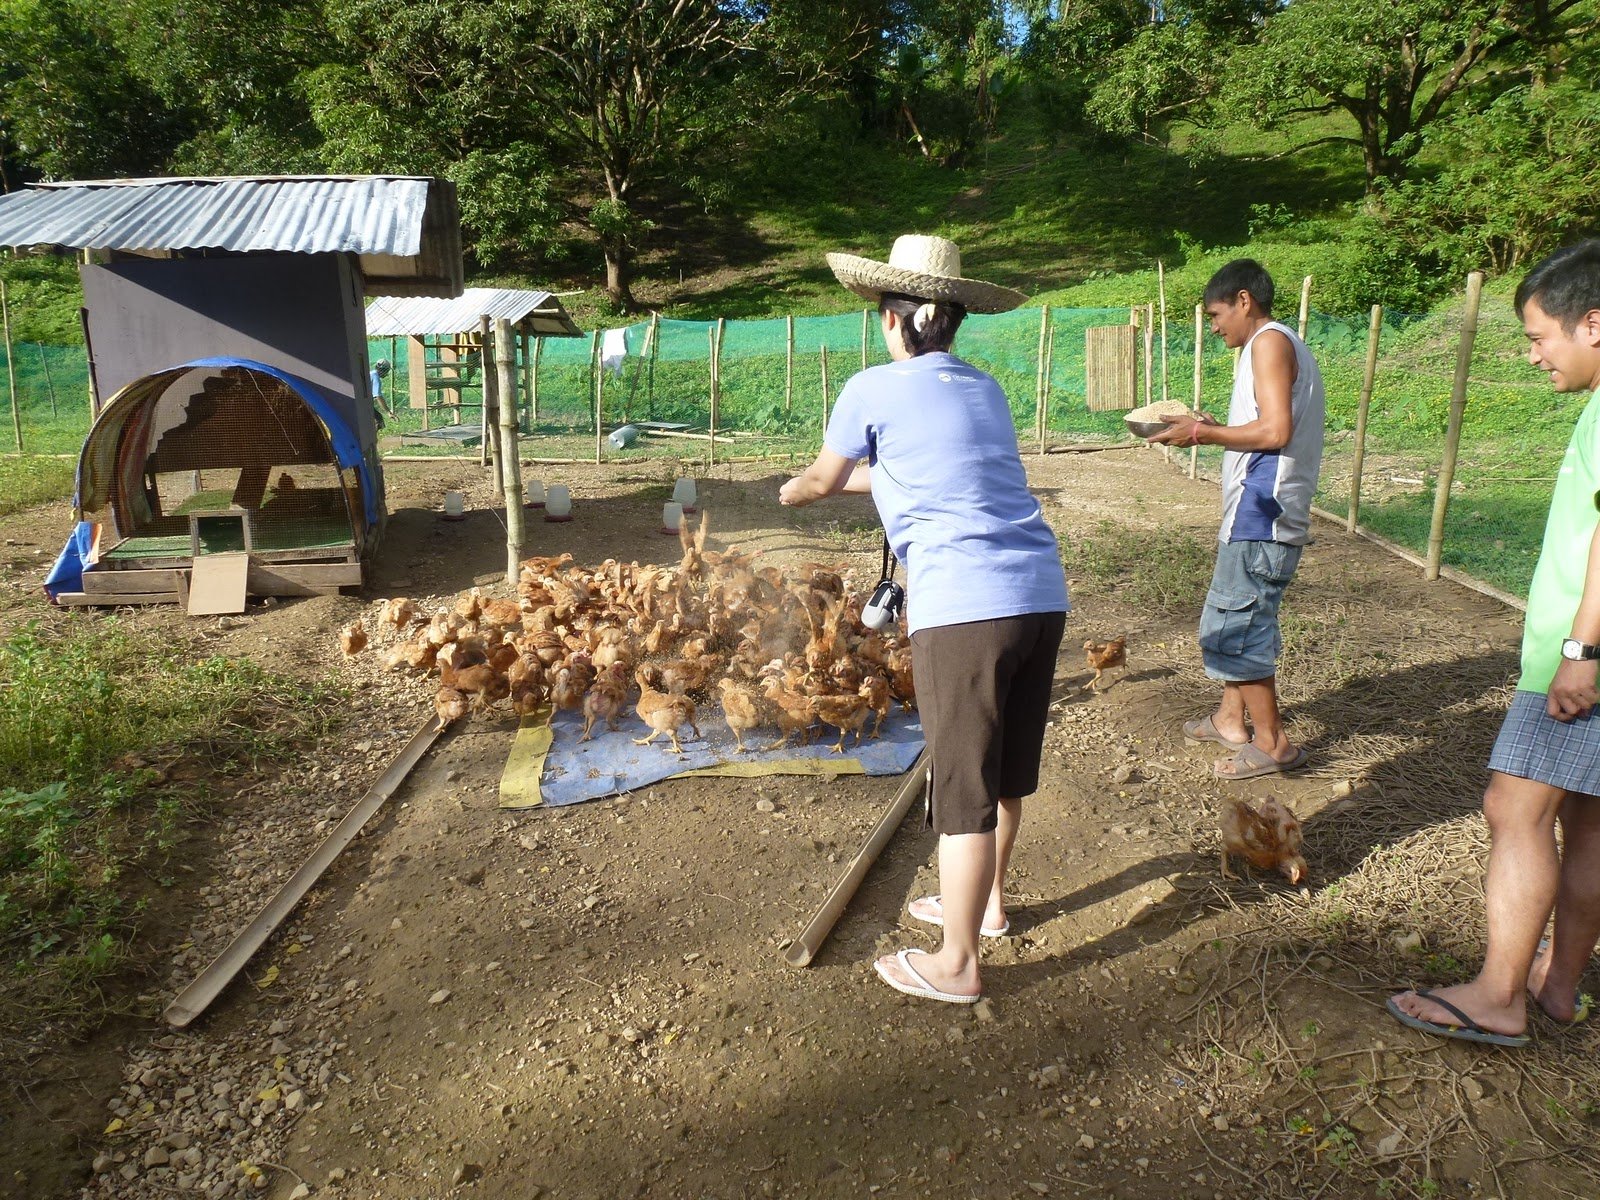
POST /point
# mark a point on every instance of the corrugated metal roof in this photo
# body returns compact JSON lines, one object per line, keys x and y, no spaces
{"x":405,"y":228}
{"x":537,"y":312}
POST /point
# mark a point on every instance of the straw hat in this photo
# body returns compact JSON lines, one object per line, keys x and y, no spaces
{"x":928,"y":268}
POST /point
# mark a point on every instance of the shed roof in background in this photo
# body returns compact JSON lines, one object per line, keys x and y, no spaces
{"x":539,"y":313}
{"x":406,"y":231}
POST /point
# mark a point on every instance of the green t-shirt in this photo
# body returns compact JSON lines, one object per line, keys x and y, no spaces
{"x":1564,"y":557}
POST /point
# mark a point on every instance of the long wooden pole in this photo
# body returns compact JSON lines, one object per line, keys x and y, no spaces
{"x":788,"y":364}
{"x":805,"y":947}
{"x":525,"y":342}
{"x":1161,"y":284}
{"x":599,"y":401}
{"x":1199,"y":379}
{"x":1368,"y":374}
{"x":11,"y":365}
{"x":510,"y":457}
{"x":1452,"y":433}
{"x":865,"y":316}
{"x":1305,"y":305}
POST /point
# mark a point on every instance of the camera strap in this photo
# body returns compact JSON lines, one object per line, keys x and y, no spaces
{"x":886,"y":570}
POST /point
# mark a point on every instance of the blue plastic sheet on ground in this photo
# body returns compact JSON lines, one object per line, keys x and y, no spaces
{"x":610,"y":763}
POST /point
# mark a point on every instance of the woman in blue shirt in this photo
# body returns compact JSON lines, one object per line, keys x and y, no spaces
{"x":986,"y":596}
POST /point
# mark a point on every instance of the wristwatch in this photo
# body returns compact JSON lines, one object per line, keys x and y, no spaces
{"x":1578,"y":651}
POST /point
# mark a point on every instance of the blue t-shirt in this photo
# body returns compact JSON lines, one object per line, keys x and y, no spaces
{"x":951,"y":491}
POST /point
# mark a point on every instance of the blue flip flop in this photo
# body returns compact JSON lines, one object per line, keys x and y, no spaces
{"x":1468,"y":1031}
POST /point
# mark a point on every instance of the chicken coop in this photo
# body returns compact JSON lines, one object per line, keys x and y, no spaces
{"x":225,"y":326}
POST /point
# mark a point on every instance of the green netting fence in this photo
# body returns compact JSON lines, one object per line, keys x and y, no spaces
{"x":771,"y":400}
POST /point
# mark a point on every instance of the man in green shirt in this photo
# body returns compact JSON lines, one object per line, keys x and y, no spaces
{"x":1545,"y":766}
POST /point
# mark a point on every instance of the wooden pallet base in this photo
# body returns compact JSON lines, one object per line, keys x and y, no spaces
{"x":170,"y":585}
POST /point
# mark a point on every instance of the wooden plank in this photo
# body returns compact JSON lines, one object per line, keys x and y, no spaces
{"x":218,"y":585}
{"x":302,"y":579}
{"x":1111,"y":368}
{"x":104,"y":582}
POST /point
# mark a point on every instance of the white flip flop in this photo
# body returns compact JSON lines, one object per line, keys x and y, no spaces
{"x":921,"y":988}
{"x":938,"y":917}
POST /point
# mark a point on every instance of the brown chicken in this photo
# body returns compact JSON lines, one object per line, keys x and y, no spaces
{"x":847,"y":714}
{"x":352,"y":639}
{"x":742,"y":708}
{"x":1268,"y":838}
{"x":399,"y":612}
{"x":876,"y":690}
{"x":605,"y":699}
{"x":1104,"y":656}
{"x":450,"y":704}
{"x":791,"y":711}
{"x":663,"y":712}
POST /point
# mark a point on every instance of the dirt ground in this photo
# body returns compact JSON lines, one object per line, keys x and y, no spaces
{"x":592,"y":1001}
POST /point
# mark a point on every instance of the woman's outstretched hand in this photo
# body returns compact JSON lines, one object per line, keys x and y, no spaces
{"x":794,"y":493}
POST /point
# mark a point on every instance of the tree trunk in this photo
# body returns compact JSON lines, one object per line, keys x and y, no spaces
{"x":619,"y":278}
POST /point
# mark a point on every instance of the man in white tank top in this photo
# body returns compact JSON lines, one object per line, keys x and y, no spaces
{"x":1273,"y":455}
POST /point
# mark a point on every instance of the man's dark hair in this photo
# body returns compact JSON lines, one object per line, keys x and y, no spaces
{"x":938,"y":332}
{"x":1241,"y":275}
{"x":1566,"y":284}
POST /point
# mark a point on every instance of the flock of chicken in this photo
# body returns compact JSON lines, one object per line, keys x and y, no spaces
{"x":782,"y":652}
{"x":776,"y":651}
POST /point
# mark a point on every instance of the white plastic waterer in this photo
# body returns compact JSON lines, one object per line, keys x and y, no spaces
{"x":671,"y":517}
{"x":558,"y":503}
{"x":684,"y":493}
{"x":535,"y":493}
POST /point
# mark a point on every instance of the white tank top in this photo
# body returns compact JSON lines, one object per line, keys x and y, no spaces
{"x":1267,"y":494}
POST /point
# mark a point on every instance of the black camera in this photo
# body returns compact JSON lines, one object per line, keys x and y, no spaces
{"x":884,"y":608}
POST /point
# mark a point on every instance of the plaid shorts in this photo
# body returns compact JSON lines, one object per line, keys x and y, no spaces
{"x":1239,"y":638}
{"x":1534,"y":745}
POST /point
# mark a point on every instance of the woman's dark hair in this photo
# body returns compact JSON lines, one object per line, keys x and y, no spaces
{"x":1241,"y":275}
{"x":1566,"y":284}
{"x":939,"y":327}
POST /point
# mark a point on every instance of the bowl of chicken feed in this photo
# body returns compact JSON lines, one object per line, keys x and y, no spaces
{"x":1153,"y":418}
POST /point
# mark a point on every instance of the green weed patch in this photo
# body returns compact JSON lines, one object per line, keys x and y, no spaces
{"x":34,"y":479}
{"x":1161,"y":572}
{"x":92,"y":719}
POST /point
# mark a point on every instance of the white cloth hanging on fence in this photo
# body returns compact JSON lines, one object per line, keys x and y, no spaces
{"x":614,"y":349}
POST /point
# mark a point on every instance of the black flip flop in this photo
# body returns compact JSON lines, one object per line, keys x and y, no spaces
{"x":1468,"y":1031}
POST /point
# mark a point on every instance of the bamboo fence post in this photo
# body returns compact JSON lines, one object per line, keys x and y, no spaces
{"x":1305,"y":305}
{"x":864,"y":316}
{"x":638,"y":368}
{"x":717,"y":333}
{"x":599,"y":402}
{"x":533,"y":382}
{"x":1044,"y":393}
{"x":1367,"y":375}
{"x":1161,"y":284}
{"x":11,"y":365}
{"x":824,"y":390}
{"x":525,"y":346}
{"x":1199,"y":379}
{"x":510,"y":457}
{"x":1452,"y":434}
{"x":788,"y":364}
{"x":44,"y":361}
{"x":1038,"y":365}
{"x":650,"y":389}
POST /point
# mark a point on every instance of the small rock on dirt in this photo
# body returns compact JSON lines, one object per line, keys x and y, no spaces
{"x":465,"y":1172}
{"x":440,"y":996}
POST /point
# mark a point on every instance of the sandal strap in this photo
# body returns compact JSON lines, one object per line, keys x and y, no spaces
{"x":1465,"y":1021}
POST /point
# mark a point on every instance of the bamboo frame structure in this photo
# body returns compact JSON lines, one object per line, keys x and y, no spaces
{"x":1199,"y":379}
{"x":488,"y":371}
{"x":1161,"y":287}
{"x":788,"y":364}
{"x":1305,"y":306}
